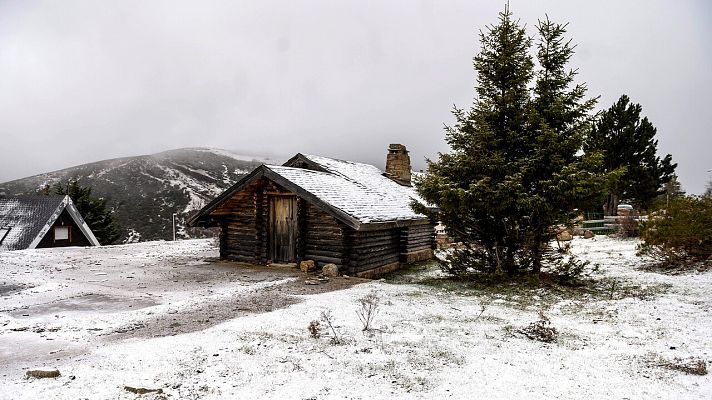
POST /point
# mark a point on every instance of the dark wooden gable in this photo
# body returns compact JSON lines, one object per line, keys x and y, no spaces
{"x":207,"y":216}
{"x":75,"y":236}
{"x":265,"y":222}
{"x":301,"y":161}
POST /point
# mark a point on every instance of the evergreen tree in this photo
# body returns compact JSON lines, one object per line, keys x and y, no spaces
{"x":515,"y":168}
{"x":93,"y":209}
{"x":628,"y":141}
{"x":671,"y":190}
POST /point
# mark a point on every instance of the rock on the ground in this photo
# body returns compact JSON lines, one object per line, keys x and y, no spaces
{"x":307,"y":266}
{"x":43,"y":373}
{"x":588,"y":234}
{"x":564,"y":236}
{"x":330,"y":270}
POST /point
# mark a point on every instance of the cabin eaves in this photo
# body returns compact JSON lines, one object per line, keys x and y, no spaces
{"x":357,"y":194}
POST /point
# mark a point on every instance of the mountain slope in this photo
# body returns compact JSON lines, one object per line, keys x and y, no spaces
{"x":145,"y":191}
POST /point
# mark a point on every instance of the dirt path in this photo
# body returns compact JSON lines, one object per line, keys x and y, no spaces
{"x":210,"y":312}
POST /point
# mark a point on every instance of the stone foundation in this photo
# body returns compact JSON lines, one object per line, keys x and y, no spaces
{"x":378,"y":272}
{"x":416,"y":256}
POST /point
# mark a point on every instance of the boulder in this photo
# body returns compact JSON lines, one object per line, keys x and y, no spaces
{"x":330,"y":270}
{"x":564,"y":236}
{"x":43,"y":373}
{"x":307,"y":266}
{"x":588,"y":234}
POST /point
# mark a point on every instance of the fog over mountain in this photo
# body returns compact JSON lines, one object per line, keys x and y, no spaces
{"x":86,"y":81}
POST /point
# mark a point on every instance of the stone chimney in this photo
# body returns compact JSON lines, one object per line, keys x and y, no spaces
{"x":398,"y":164}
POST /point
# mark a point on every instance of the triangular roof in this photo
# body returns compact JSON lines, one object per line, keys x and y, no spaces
{"x":356,"y":194}
{"x":29,"y":218}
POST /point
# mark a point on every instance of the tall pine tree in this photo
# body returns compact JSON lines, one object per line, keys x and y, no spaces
{"x":515,"y":168}
{"x":628,"y":141}
{"x":560,"y":178}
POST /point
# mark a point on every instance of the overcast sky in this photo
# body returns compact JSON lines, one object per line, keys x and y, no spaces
{"x":82,"y":81}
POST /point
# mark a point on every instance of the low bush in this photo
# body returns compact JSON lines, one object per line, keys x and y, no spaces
{"x":679,"y":234}
{"x":569,"y":270}
{"x":328,"y":320}
{"x":540,"y":330}
{"x":368,"y":307}
{"x":314,"y":329}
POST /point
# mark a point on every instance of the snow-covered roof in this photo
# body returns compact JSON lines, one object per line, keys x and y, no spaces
{"x":367,"y":201}
{"x":25,"y":220}
{"x":373,"y":197}
{"x":359,"y":192}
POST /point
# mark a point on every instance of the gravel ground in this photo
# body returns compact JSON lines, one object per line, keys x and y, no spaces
{"x":142,"y":290}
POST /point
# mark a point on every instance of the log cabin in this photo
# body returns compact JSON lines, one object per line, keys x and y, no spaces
{"x":325,"y":210}
{"x":29,"y":222}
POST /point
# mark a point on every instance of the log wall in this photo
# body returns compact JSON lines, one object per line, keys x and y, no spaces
{"x":244,"y":219}
{"x":418,"y":237}
{"x":373,"y":249}
{"x":321,"y":237}
{"x":239,"y":230}
{"x":417,"y":243}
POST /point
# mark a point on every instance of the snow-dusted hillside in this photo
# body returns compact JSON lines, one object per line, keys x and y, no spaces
{"x":146,"y":190}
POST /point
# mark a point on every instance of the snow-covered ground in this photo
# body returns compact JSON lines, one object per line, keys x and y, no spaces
{"x":165,"y":315}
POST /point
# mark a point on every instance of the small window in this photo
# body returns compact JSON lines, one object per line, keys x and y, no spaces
{"x":61,"y":233}
{"x":4,"y":230}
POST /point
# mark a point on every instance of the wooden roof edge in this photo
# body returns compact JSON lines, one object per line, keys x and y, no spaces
{"x":48,"y":224}
{"x":225,"y":195}
{"x":265,"y":171}
{"x":302,"y":157}
{"x":79,"y":220}
{"x":340,"y":215}
{"x":374,"y":226}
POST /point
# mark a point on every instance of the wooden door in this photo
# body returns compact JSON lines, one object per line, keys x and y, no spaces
{"x":283,"y":228}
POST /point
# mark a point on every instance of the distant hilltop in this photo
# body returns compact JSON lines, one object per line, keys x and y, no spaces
{"x":144,"y":191}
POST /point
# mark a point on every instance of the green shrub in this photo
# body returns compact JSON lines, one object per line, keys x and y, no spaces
{"x":681,"y":232}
